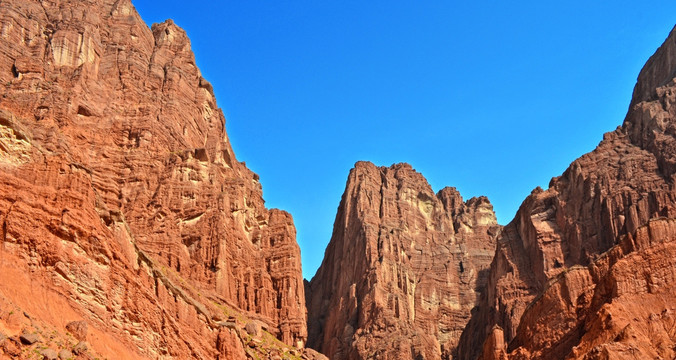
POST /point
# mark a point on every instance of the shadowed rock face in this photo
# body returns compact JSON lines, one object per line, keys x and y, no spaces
{"x":403,"y":269}
{"x":558,"y":285}
{"x":120,"y":196}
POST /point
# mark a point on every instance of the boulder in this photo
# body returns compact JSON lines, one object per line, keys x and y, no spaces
{"x":29,"y":338}
{"x":78,"y":329}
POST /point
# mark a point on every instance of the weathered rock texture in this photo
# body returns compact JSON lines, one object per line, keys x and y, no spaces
{"x":403,"y":269}
{"x":580,"y":272}
{"x":619,"y":307}
{"x":121,"y":201}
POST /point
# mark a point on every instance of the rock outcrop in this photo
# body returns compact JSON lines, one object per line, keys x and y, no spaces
{"x":619,"y":307}
{"x":121,"y":201}
{"x":403,"y":269}
{"x":582,"y":270}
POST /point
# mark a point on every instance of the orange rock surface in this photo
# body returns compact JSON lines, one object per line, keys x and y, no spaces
{"x":130,"y":230}
{"x":403,"y":269}
{"x":121,"y":201}
{"x":619,"y":307}
{"x":582,"y":271}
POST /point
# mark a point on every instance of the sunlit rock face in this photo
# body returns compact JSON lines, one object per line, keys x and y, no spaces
{"x":120,"y":196}
{"x":403,"y":269}
{"x":582,"y":271}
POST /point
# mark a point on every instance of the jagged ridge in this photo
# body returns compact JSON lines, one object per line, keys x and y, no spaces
{"x":121,"y":198}
{"x":602,"y":197}
{"x":403,"y":269}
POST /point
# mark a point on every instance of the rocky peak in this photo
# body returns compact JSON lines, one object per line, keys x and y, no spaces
{"x":650,"y":121}
{"x":658,"y":71}
{"x":169,"y":35}
{"x":404,"y":266}
{"x":121,"y":199}
{"x":562,"y":234}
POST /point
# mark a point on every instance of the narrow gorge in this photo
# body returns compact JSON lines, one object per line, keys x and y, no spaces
{"x":131,"y":231}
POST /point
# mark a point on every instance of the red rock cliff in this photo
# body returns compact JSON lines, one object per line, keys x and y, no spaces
{"x":121,"y":201}
{"x":403,"y":269}
{"x":564,"y":281}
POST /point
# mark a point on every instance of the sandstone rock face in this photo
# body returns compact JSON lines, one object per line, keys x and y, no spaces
{"x":121,"y":201}
{"x":560,"y":285}
{"x":403,"y":269}
{"x":619,"y":307}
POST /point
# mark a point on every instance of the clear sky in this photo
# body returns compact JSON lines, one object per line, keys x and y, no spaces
{"x":492,"y":97}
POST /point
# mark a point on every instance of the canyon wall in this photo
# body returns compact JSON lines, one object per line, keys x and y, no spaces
{"x":403,"y":269}
{"x":130,"y":230}
{"x":121,"y":201}
{"x":562,"y":235}
{"x":584,"y":270}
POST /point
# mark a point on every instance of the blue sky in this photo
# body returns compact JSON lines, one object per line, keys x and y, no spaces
{"x":491,"y":97}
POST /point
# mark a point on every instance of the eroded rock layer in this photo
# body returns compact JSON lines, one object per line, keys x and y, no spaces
{"x":403,"y":269}
{"x":558,"y":285}
{"x":619,"y":307}
{"x":121,"y":201}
